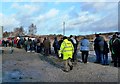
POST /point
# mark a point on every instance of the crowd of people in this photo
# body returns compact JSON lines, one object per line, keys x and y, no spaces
{"x":102,"y":49}
{"x":67,"y":48}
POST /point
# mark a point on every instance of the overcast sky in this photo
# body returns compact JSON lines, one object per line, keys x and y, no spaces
{"x":81,"y":17}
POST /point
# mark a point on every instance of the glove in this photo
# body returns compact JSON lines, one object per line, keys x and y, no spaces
{"x":59,"y":55}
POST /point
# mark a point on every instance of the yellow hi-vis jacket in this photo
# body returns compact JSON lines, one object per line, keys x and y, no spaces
{"x":66,"y":49}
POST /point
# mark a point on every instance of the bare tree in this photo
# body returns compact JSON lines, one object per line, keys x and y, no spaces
{"x":32,"y":29}
{"x":19,"y":31}
{"x":6,"y":34}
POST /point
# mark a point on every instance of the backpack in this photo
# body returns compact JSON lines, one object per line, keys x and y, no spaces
{"x":101,"y":45}
{"x":106,"y":49}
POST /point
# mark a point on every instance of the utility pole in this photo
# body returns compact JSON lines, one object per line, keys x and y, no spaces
{"x":63,"y":28}
{"x":118,"y":16}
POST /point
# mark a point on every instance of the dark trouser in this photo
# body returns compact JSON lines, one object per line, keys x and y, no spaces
{"x":38,"y":49}
{"x":32,"y":48}
{"x":84,"y":56}
{"x":98,"y":57}
{"x":49,"y":50}
{"x":46,"y":51}
{"x":112,"y":56}
{"x":74,"y":55}
{"x":117,"y":60}
{"x":104,"y":58}
{"x":6,"y":44}
{"x":28,"y":47}
{"x":25,"y":48}
{"x":56,"y":51}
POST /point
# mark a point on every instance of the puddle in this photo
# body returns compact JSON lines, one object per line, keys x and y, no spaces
{"x":14,"y":75}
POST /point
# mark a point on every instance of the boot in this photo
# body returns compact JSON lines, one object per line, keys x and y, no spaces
{"x":71,"y":67}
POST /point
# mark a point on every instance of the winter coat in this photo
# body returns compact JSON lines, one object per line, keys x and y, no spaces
{"x":46,"y":44}
{"x":66,"y":49}
{"x":99,"y":44}
{"x":84,"y":45}
{"x":56,"y":44}
{"x":115,"y":46}
{"x":106,"y":49}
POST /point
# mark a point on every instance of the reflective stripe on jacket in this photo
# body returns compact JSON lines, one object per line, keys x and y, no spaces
{"x":66,"y":49}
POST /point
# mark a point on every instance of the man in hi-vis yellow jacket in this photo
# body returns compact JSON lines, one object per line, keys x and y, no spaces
{"x":67,"y":50}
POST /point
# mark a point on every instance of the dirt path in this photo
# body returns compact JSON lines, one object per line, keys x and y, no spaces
{"x":21,"y":66}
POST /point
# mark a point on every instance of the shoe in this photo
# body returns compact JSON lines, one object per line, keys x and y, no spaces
{"x":103,"y":64}
{"x":118,"y":66}
{"x":65,"y":70}
{"x":96,"y":62}
{"x":106,"y":64}
{"x":85,"y":62}
{"x":71,"y":67}
{"x":112,"y":61}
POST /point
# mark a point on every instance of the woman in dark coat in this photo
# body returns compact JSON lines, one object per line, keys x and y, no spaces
{"x":56,"y":46}
{"x":105,"y":54}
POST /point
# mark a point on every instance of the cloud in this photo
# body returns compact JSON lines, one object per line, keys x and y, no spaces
{"x":52,"y":13}
{"x":46,"y":21}
{"x":97,"y":7}
{"x":26,"y":9}
{"x":9,"y":22}
{"x":83,"y":18}
{"x":94,"y":22}
{"x":60,"y":1}
{"x":25,"y":12}
{"x":106,"y":24}
{"x":73,"y":14}
{"x":87,"y":22}
{"x":86,"y":18}
{"x":49,"y":15}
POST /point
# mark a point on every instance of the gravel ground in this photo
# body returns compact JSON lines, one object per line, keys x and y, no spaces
{"x":21,"y":66}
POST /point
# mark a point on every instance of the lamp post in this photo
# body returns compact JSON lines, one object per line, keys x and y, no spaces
{"x":63,"y":28}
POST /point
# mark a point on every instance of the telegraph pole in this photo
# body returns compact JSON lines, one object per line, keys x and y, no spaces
{"x":118,"y":17}
{"x":63,"y":28}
